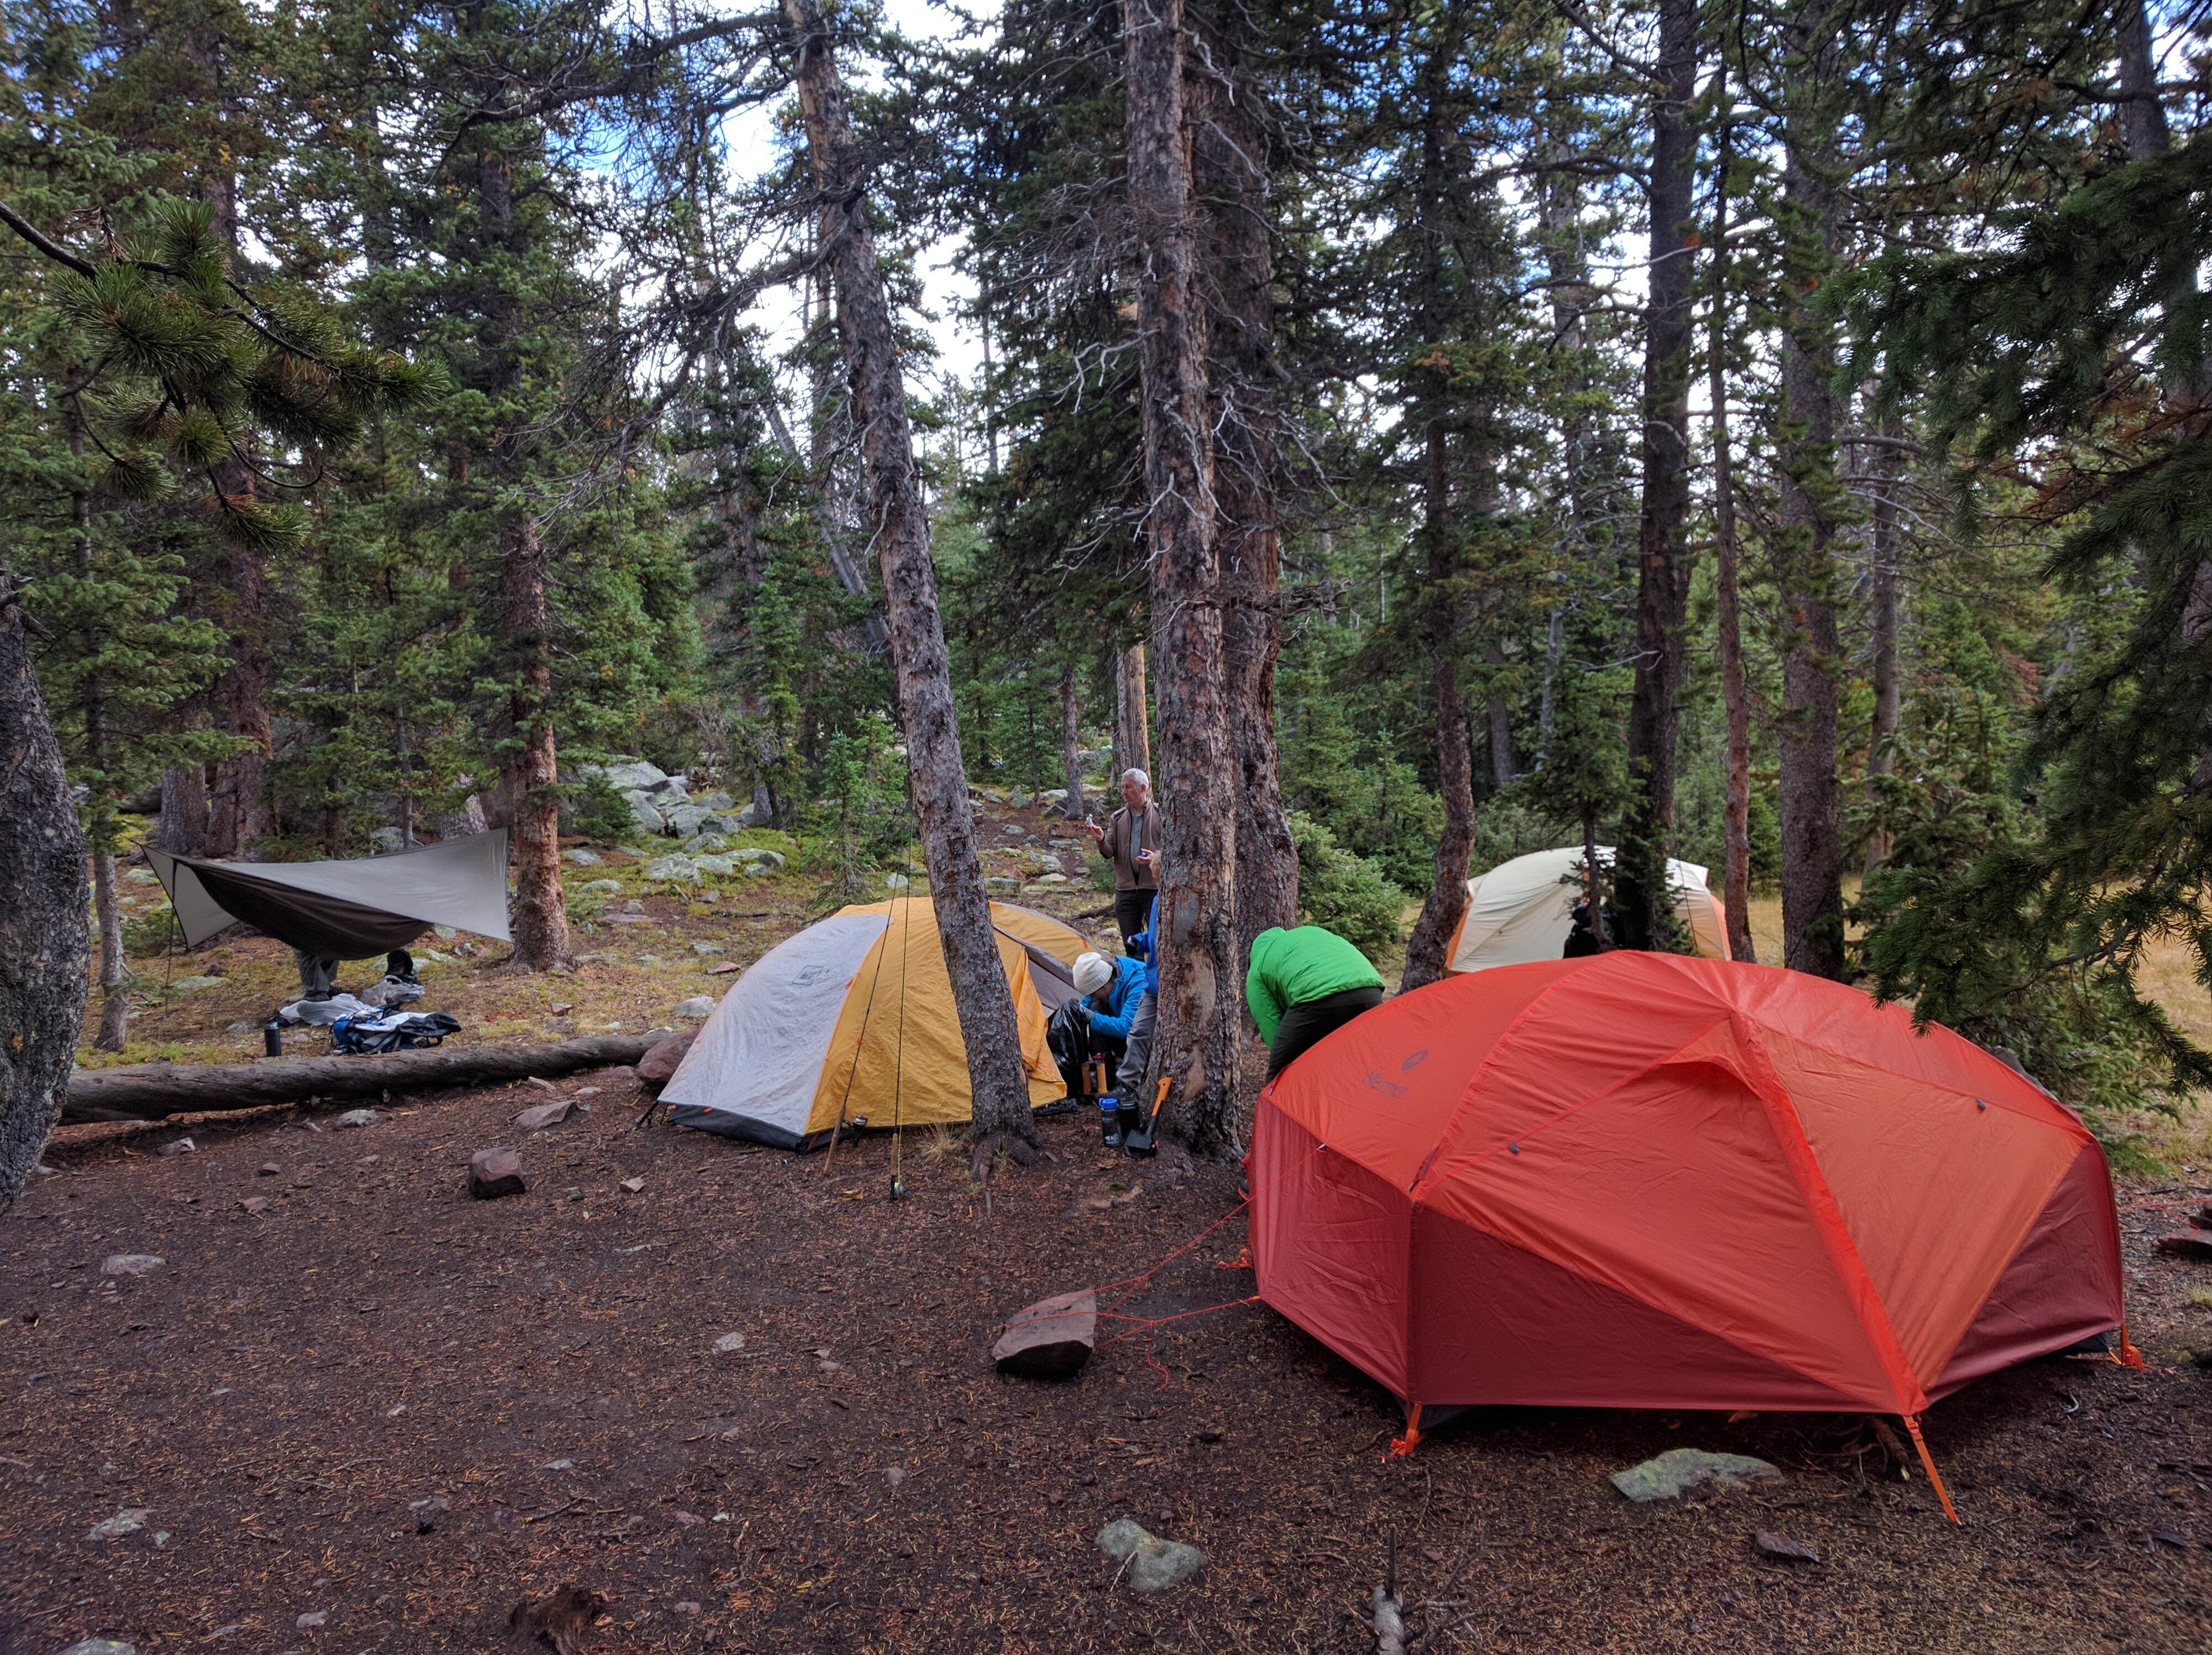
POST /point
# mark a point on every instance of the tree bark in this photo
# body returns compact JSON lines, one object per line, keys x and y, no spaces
{"x":2142,"y":117}
{"x":1811,"y":791}
{"x":1133,"y":737}
{"x":1736,"y":697}
{"x":1232,"y":176}
{"x":1663,"y":583}
{"x":1888,"y":691}
{"x":1445,"y":905}
{"x":1502,"y":770}
{"x":1071,"y":743}
{"x":183,"y":829}
{"x":99,"y":785}
{"x":901,"y":533}
{"x":45,"y":941}
{"x":539,"y":919}
{"x":154,"y":1092}
{"x":1198,"y":1037}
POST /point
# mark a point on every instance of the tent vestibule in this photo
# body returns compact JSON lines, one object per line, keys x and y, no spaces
{"x":1523,"y":910}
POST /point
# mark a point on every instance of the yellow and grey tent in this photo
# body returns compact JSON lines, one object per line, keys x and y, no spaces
{"x":852,"y":1020}
{"x":1522,"y":910}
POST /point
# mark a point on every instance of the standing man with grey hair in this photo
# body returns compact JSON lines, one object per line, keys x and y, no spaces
{"x":1128,"y":841}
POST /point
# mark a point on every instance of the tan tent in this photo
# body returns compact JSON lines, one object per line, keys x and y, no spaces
{"x":852,"y":1020}
{"x":1522,"y":910}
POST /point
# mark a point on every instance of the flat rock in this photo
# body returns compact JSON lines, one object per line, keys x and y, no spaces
{"x":697,"y":1006}
{"x":179,"y":1147}
{"x":1050,"y":1340}
{"x":268,"y":1170}
{"x":772,"y":860}
{"x":725,"y":968}
{"x":358,"y":1117}
{"x":581,"y":857}
{"x":132,"y":1264}
{"x":1774,"y":1545}
{"x":2187,"y":1243}
{"x":1149,"y":1563}
{"x":128,"y":1521}
{"x":494,"y":1173}
{"x":1680,"y":1471}
{"x":255,"y":1205}
{"x":101,"y":1646}
{"x":721,"y":867}
{"x":672,"y":870}
{"x":184,"y":985}
{"x":539,"y":1118}
{"x":602,"y":888}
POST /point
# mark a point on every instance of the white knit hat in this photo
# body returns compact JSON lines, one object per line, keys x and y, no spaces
{"x":1092,"y":973}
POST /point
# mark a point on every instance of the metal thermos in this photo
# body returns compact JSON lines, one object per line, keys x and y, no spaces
{"x":272,"y":1038}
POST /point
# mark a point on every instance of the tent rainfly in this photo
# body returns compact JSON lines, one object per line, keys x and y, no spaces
{"x":1641,"y":1180}
{"x":1523,"y":910}
{"x":851,"y":1021}
{"x":345,"y":910}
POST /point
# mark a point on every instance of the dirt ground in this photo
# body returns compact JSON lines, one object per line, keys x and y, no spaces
{"x":283,"y":1394}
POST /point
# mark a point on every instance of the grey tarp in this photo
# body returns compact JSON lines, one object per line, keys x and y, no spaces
{"x":345,"y":910}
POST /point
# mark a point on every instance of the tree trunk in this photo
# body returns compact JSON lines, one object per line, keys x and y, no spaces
{"x":1199,"y":1003}
{"x":1735,"y":697}
{"x":183,"y":828}
{"x":1442,"y":910}
{"x":154,"y":1092}
{"x":540,"y":915}
{"x":99,"y":786}
{"x":900,"y":531}
{"x":1812,"y":826}
{"x":1071,"y":744}
{"x":1662,"y":582}
{"x":2143,"y":115}
{"x":1232,"y":177}
{"x":1133,"y":735}
{"x":45,"y":942}
{"x":1888,"y":695}
{"x":1502,"y":771}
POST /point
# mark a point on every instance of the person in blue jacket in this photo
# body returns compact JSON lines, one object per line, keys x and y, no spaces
{"x":1137,"y":1053}
{"x":1111,"y":989}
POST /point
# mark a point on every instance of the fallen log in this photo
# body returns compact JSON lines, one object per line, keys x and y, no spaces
{"x":154,"y":1092}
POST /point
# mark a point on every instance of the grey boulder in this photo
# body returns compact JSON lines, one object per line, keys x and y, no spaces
{"x":1680,"y":1471}
{"x":1149,"y":1563}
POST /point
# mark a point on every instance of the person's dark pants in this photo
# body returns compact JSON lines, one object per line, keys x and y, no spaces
{"x":1305,"y":1025}
{"x":1133,"y":911}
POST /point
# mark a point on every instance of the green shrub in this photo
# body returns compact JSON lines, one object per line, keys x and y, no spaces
{"x":598,"y":811}
{"x":146,"y":936}
{"x":1349,"y":894}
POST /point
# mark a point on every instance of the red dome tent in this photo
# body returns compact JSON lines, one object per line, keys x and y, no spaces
{"x":1648,"y":1181}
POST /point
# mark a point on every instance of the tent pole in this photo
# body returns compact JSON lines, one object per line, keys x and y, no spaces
{"x":1927,"y":1464}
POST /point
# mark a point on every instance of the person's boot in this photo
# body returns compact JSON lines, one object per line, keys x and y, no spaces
{"x":1109,"y":1119}
{"x":1130,"y":1116}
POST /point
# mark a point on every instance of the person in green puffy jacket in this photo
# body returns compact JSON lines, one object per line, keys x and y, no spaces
{"x":1304,"y":984}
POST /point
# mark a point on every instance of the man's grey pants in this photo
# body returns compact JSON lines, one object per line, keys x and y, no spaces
{"x":1137,"y":1056}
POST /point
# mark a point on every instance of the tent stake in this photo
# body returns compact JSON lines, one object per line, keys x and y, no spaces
{"x":1927,"y":1464}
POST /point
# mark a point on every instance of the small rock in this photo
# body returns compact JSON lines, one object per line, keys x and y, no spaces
{"x":757,"y":870}
{"x":538,"y":1118}
{"x":1014,"y":829}
{"x":101,"y":1646}
{"x":1050,"y":1340}
{"x":1680,"y":1471}
{"x":255,"y":1205}
{"x":725,"y":968}
{"x":697,"y":1006}
{"x":132,"y":1264}
{"x":729,"y":1343}
{"x":244,"y":1026}
{"x":894,"y":1475}
{"x":494,"y":1173}
{"x":184,"y":985}
{"x":719,"y":867}
{"x":358,"y":1117}
{"x":672,"y":870}
{"x":706,"y":950}
{"x":1774,"y":1545}
{"x":581,"y":857}
{"x":772,"y":860}
{"x":632,"y":1184}
{"x":268,"y":1170}
{"x":1052,"y":879}
{"x":1003,"y":885}
{"x":562,"y":1011}
{"x":897,"y":882}
{"x":179,"y":1147}
{"x":128,"y":1521}
{"x":542,"y":1084}
{"x":601,"y":888}
{"x":687,"y":1609}
{"x":311,"y":1619}
{"x":1149,"y":1564}
{"x":2187,"y":1243}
